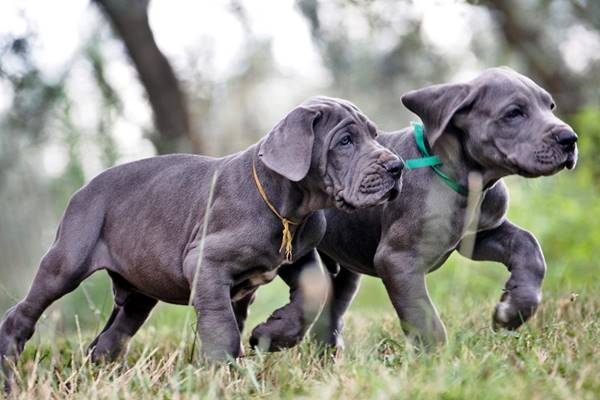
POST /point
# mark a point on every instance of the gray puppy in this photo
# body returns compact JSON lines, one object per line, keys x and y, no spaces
{"x":499,"y":124}
{"x":164,"y":230}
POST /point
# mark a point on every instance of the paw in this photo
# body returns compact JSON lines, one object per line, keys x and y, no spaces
{"x":328,"y":337}
{"x":277,"y":333}
{"x":333,"y":345}
{"x":6,"y":371}
{"x":515,"y":307}
{"x":217,"y":354}
{"x":9,"y":355}
{"x":428,"y":339}
{"x":106,"y":348}
{"x":102,"y":355}
{"x":8,"y":381}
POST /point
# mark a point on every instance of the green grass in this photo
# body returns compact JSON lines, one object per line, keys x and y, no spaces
{"x":554,"y":356}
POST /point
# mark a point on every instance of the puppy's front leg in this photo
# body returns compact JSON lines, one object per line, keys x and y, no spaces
{"x":328,"y":327}
{"x":521,"y":253}
{"x":217,"y":325}
{"x":287,"y":325}
{"x":404,"y":279}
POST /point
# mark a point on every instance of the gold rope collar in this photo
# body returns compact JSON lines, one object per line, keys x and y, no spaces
{"x":287,"y":236}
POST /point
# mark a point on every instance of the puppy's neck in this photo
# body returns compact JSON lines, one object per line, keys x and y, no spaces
{"x":289,"y":198}
{"x":457,"y":163}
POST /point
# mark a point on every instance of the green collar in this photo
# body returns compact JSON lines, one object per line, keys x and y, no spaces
{"x":432,"y":161}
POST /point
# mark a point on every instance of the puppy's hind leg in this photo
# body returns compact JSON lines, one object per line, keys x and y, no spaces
{"x":61,"y":270}
{"x":130,"y":311}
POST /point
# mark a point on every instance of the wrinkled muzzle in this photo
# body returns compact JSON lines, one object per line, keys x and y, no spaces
{"x":373,"y":183}
{"x":556,"y":152}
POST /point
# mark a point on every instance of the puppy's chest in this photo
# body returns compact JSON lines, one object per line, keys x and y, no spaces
{"x":305,"y":238}
{"x":442,"y":231}
{"x":444,"y":226}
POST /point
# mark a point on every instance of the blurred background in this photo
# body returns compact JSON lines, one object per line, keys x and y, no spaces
{"x":85,"y":85}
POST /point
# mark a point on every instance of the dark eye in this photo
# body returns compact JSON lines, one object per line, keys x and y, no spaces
{"x":514,"y":113}
{"x":346,"y":140}
{"x":552,"y":106}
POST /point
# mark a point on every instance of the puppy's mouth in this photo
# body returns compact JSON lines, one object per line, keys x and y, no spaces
{"x":393,"y":193}
{"x":548,"y":160}
{"x":571,"y":160}
{"x":342,"y":204}
{"x":566,"y":159}
{"x":373,"y":191}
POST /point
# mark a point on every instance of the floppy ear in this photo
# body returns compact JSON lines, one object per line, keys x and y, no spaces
{"x":437,"y":104}
{"x":287,"y":149}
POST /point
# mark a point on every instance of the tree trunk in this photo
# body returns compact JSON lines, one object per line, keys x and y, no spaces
{"x":129,"y":19}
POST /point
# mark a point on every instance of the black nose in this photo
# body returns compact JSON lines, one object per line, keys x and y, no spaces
{"x":566,"y":138}
{"x":394,"y":168}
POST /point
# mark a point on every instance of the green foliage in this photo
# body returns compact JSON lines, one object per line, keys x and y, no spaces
{"x":554,"y":357}
{"x":587,"y":123}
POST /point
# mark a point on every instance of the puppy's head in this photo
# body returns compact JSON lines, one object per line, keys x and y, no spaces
{"x":329,"y":145}
{"x":504,"y":120}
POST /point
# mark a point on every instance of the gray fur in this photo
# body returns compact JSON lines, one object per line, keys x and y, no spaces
{"x":142,"y":222}
{"x":474,"y":129}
